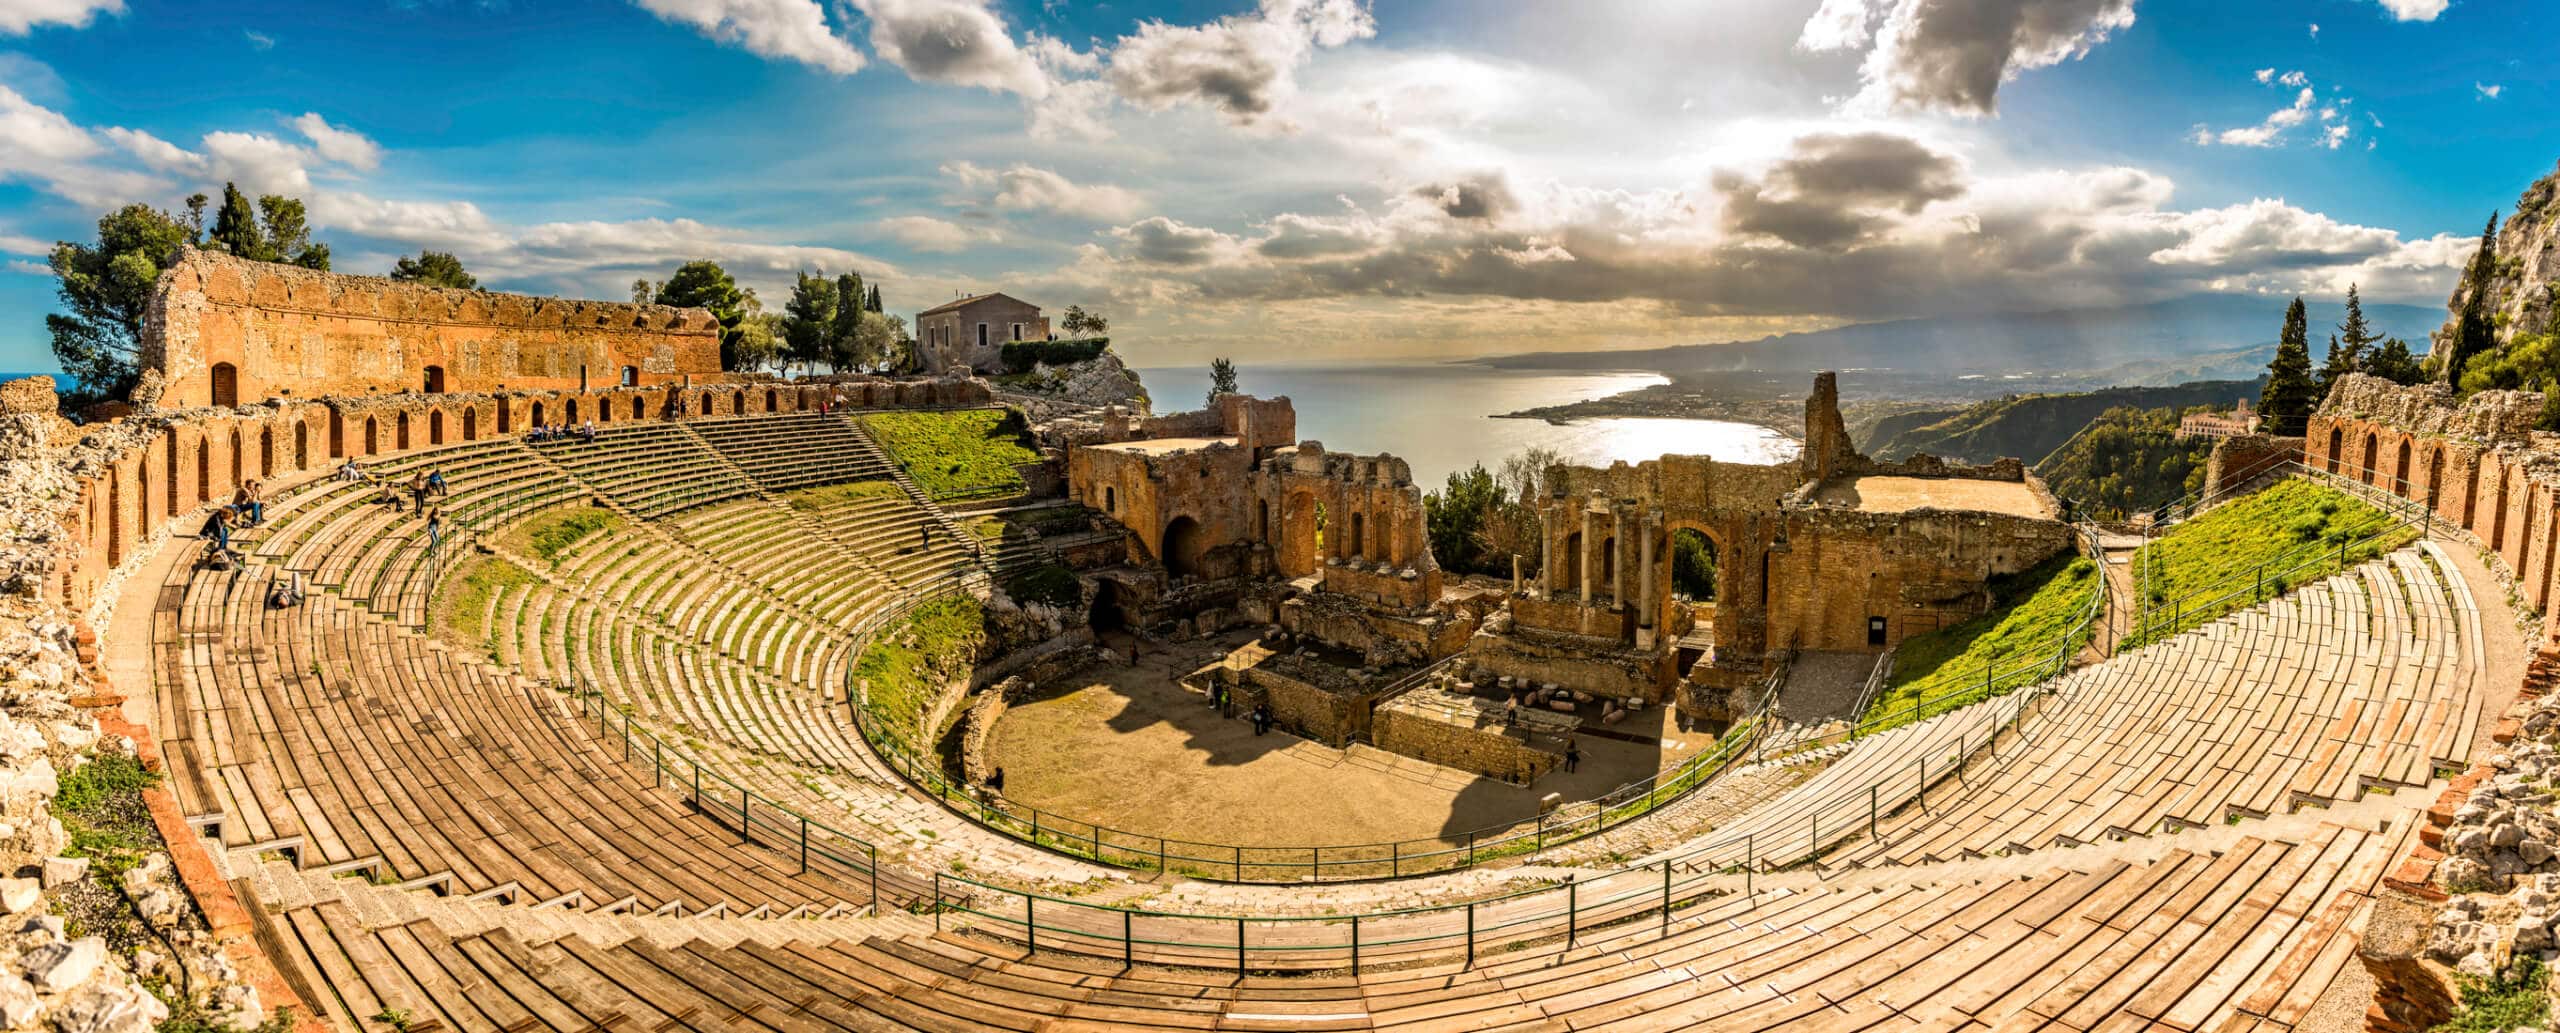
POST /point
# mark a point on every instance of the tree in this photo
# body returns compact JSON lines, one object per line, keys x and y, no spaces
{"x":1454,"y":518}
{"x":1511,"y":527}
{"x":288,"y":234}
{"x":881,"y":338}
{"x":2334,"y":368}
{"x":643,"y":292}
{"x":844,"y":338}
{"x":235,"y":226}
{"x":1693,"y":566}
{"x":807,"y":320}
{"x":105,"y":289}
{"x":1080,"y":323}
{"x":435,"y":268}
{"x":2394,"y":362}
{"x":2290,"y":394}
{"x":195,"y":214}
{"x":1222,"y":378}
{"x":875,"y":298}
{"x":2356,"y":336}
{"x":2473,"y":333}
{"x":703,"y":284}
{"x":759,"y":341}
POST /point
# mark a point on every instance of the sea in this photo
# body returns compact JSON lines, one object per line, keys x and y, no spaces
{"x":1441,"y":418}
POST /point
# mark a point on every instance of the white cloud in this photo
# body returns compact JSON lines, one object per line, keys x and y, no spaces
{"x":933,"y":236}
{"x":1242,"y":65}
{"x":1953,"y":55}
{"x":959,"y":42}
{"x":18,"y":16}
{"x":792,"y":30}
{"x":2336,"y":135}
{"x":2414,"y":10}
{"x":20,"y":265}
{"x":2488,"y":91}
{"x":258,"y":40}
{"x":2270,"y":130}
{"x":2266,"y":75}
{"x":40,"y":147}
{"x":2315,"y":31}
{"x":344,"y":146}
{"x":2293,"y":78}
{"x":1025,"y":188}
{"x":258,"y":163}
{"x":20,"y":244}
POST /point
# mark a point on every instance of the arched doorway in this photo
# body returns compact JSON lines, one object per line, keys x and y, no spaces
{"x":1569,"y":565}
{"x":772,"y":400}
{"x":1693,"y":566}
{"x":170,"y":488}
{"x":706,"y":403}
{"x":1106,"y":614}
{"x":738,"y":404}
{"x":302,"y":444}
{"x":2372,"y":458}
{"x":235,"y":459}
{"x":506,"y":416}
{"x":1183,"y":545}
{"x":1356,"y":546}
{"x":537,"y":414}
{"x":471,"y":424}
{"x":435,"y":427}
{"x":435,"y":380}
{"x":573,"y":412}
{"x":226,"y":385}
{"x":337,"y":434}
{"x":2435,"y":475}
{"x":400,"y":432}
{"x":631,"y":378}
{"x":2400,"y":471}
{"x":635,"y":407}
{"x":204,"y":472}
{"x":266,"y":451}
{"x":2337,"y":442}
{"x":369,"y":437}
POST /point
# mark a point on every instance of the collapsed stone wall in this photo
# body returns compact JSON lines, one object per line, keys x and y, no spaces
{"x":1480,"y":745}
{"x":2243,"y":461}
{"x":225,"y":330}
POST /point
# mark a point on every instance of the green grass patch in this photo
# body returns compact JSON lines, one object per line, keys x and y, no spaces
{"x":836,"y":496}
{"x":2506,"y":1002}
{"x":1051,"y":583}
{"x":465,"y":600}
{"x":962,"y":454}
{"x":101,"y":807}
{"x":2034,"y":614}
{"x":903,"y":669}
{"x":549,"y":536}
{"x":2254,"y":548}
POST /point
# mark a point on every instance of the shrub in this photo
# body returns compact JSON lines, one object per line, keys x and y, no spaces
{"x":1049,"y":583}
{"x":1021,"y":356}
{"x":909,"y":662}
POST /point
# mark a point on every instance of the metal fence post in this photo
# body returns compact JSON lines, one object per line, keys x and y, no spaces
{"x":874,"y":857}
{"x":937,"y":902}
{"x":1128,"y":948}
{"x":1355,"y":943}
{"x":1239,"y":946}
{"x":1572,"y":896}
{"x":804,"y":844}
{"x":1666,"y":896}
{"x":1031,"y":921}
{"x":1471,"y":934}
{"x":745,"y":823}
{"x":1871,"y":811}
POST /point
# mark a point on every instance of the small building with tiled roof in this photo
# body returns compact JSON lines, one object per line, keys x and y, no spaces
{"x":970,"y":332}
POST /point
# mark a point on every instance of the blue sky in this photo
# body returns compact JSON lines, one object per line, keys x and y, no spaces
{"x":1315,"y":180}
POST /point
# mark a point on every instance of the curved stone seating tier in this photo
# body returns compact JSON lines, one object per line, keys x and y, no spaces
{"x":650,"y":468}
{"x":694,"y":599}
{"x":797,"y":450}
{"x":369,"y":742}
{"x":2357,"y":681}
{"x":2251,"y":934}
{"x":894,"y":535}
{"x":769,"y":544}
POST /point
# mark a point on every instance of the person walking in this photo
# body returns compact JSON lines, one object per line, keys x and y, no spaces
{"x":435,"y":528}
{"x":1572,"y":755}
{"x":418,"y":490}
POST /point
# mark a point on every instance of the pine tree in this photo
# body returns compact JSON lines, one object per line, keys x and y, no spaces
{"x":844,"y":339}
{"x":2356,"y":336}
{"x":2335,"y":367}
{"x":1222,"y":378}
{"x":2289,"y":396}
{"x":235,"y":225}
{"x":807,"y":317}
{"x":2473,"y":333}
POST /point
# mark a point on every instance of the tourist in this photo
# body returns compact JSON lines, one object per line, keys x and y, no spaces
{"x":418,"y":490}
{"x":436,"y":484}
{"x":588,"y":432}
{"x":1217,"y":695}
{"x":435,"y":526}
{"x":1572,"y":756}
{"x":217,"y":526}
{"x":250,"y":503}
{"x":285,"y":592}
{"x":995,"y":782}
{"x":924,"y":536}
{"x":1261,"y":718}
{"x":349,"y":471}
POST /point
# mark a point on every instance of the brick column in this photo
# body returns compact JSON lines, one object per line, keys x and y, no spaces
{"x":1590,"y":555}
{"x":1645,"y":604}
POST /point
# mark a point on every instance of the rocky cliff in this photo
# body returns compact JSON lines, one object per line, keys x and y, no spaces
{"x":2524,"y":284}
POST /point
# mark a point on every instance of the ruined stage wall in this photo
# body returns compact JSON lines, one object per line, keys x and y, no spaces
{"x":224,"y":329}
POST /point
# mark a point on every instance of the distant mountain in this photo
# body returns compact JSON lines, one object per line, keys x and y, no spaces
{"x":2032,"y":426}
{"x":2146,"y":342}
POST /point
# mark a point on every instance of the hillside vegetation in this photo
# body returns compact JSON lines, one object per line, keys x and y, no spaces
{"x":2031,"y":427}
{"x":2035,"y":615}
{"x":963,"y":454}
{"x":2254,"y":548}
{"x":2128,"y":461}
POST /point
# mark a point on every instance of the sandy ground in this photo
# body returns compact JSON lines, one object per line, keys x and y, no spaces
{"x":1131,"y":749}
{"x":1896,"y":494}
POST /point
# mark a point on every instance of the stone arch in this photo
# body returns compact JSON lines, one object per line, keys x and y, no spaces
{"x":1569,"y":563}
{"x":1356,"y":544}
{"x":1699,"y":584}
{"x":170,"y":438}
{"x":572,"y":405}
{"x":302,"y":444}
{"x":635,"y":407}
{"x":266,"y":452}
{"x":234,"y":482}
{"x":772,"y":400}
{"x":2337,"y":443}
{"x":1184,"y":542}
{"x":1296,"y":549}
{"x":2372,"y":458}
{"x":337,"y":434}
{"x":2435,"y":476}
{"x":706,"y":403}
{"x":226,"y":384}
{"x":471,"y":423}
{"x":537,"y":414}
{"x":2400,"y":471}
{"x":506,"y":416}
{"x":400,"y":431}
{"x":435,"y":427}
{"x":204,"y":472}
{"x":738,"y":403}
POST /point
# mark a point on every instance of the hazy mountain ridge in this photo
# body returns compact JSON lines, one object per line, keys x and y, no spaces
{"x":2033,"y":426}
{"x":2144,"y":342}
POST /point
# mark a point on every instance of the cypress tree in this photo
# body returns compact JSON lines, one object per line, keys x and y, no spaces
{"x":2356,"y":336}
{"x":235,"y":226}
{"x":2290,"y":394}
{"x":2473,"y":334}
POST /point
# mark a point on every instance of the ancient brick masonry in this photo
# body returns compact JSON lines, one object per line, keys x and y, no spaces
{"x":224,"y":330}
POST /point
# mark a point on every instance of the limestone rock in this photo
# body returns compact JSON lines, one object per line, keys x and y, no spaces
{"x":63,"y":871}
{"x":109,"y":1008}
{"x":56,"y":967}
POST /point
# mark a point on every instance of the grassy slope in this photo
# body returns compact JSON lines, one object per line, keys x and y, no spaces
{"x":2030,"y":427}
{"x":910,"y":662}
{"x":2033,"y":612}
{"x":2293,"y":530}
{"x":955,"y":454}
